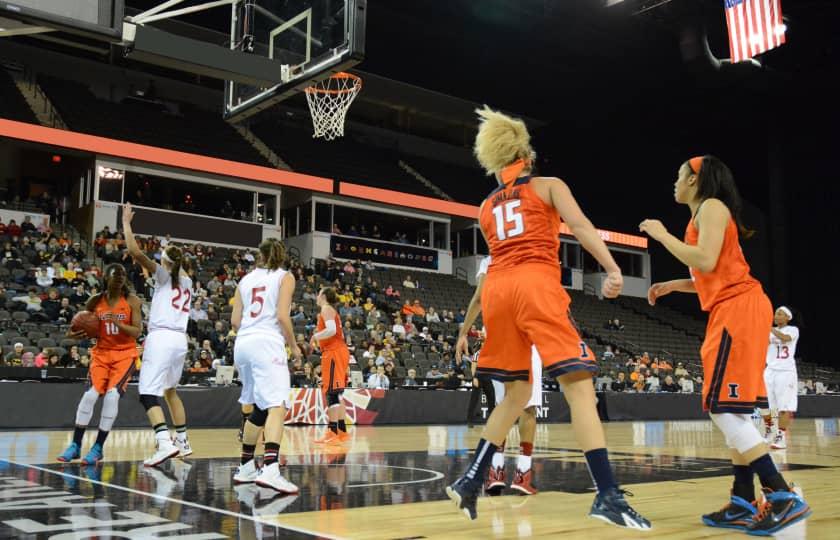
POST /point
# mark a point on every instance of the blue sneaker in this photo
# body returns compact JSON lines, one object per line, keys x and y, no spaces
{"x":94,"y":456}
{"x":780,"y":510}
{"x":465,"y":494}
{"x":610,"y":506}
{"x":738,"y":514}
{"x":73,"y":452}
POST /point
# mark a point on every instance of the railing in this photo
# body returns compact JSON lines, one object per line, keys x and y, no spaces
{"x":460,"y":273}
{"x":31,"y":81}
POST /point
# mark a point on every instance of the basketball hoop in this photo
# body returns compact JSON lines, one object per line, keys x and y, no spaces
{"x":328,"y":102}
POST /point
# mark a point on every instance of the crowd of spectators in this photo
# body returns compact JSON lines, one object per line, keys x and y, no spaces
{"x":642,"y":373}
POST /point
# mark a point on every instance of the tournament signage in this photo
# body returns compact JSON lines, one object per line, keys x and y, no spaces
{"x":349,"y":247}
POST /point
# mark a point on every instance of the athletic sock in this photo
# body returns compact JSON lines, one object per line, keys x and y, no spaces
{"x":599,"y":468}
{"x":271,"y":452}
{"x":523,"y":462}
{"x":342,"y":426}
{"x":768,"y":475}
{"x":247,"y":453}
{"x":161,"y":432}
{"x":181,"y":433}
{"x":334,"y":427}
{"x":480,"y":462}
{"x":100,"y":437}
{"x":743,"y":486}
{"x":78,"y":434}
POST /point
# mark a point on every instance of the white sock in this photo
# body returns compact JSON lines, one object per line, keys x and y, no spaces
{"x":181,"y":436}
{"x":498,"y":459}
{"x":162,"y":436}
{"x":523,"y":463}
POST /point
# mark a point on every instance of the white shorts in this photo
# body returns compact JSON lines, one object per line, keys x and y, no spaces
{"x":163,"y":361}
{"x":782,"y":389}
{"x":536,"y":382}
{"x":263,"y":370}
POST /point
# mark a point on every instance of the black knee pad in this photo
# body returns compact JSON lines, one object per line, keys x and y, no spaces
{"x":332,"y":398}
{"x":258,"y":416}
{"x":148,"y":401}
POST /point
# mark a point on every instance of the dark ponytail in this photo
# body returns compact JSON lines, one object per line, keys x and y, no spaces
{"x":174,"y":254}
{"x":273,"y":253}
{"x":330,"y":296}
{"x":715,"y":181}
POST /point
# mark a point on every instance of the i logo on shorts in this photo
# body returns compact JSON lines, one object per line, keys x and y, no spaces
{"x":733,"y":390}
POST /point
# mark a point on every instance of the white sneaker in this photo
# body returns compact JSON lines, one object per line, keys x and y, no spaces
{"x":165,"y":450}
{"x":779,"y":443}
{"x":164,"y":483}
{"x":184,"y":448}
{"x":247,"y":494}
{"x":247,"y":473}
{"x":270,"y":477}
{"x":181,"y":471}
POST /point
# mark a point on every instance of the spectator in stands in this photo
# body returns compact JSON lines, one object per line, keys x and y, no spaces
{"x":79,"y":296}
{"x":408,"y":283}
{"x":335,"y":229}
{"x":379,"y":379}
{"x":14,"y":357}
{"x":214,"y":285}
{"x":71,"y":358}
{"x":604,"y":382}
{"x":27,"y":226}
{"x":32,"y":300}
{"x":434,"y":373}
{"x":300,"y":315}
{"x":407,"y":309}
{"x":636,"y":373}
{"x":652,"y":383}
{"x":686,"y":384}
{"x":669,"y":385}
{"x":42,"y":358}
{"x":2,"y":227}
{"x":309,"y":295}
{"x":432,"y":316}
{"x":410,"y":378}
{"x":65,"y":311}
{"x":620,"y":384}
{"x":44,"y":276}
{"x":51,"y":306}
{"x":613,"y":324}
{"x":639,"y":385}
{"x":459,"y":318}
{"x":680,"y":371}
{"x":808,"y":388}
{"x":198,"y":313}
{"x":13,"y":229}
{"x":370,"y":367}
{"x":198,"y":367}
{"x":608,"y":354}
{"x":417,"y":309}
{"x":375,"y":232}
{"x":664,"y":365}
{"x":390,"y":292}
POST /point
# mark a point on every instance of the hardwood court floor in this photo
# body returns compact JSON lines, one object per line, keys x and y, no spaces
{"x":388,"y":483}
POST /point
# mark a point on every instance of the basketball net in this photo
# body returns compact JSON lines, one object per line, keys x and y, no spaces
{"x":328,"y":102}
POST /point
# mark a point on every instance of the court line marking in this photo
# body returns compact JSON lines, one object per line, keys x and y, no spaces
{"x":178,"y":501}
{"x":435,"y":475}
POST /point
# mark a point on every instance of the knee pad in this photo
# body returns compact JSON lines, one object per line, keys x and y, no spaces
{"x":148,"y":401}
{"x":333,"y":399}
{"x":110,"y":407}
{"x":258,"y":416}
{"x":86,"y":404}
{"x":741,"y":434}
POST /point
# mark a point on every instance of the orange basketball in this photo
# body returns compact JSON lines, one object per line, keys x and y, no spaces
{"x":86,"y":321}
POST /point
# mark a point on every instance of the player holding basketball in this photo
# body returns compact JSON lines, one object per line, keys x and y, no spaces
{"x":335,"y":359}
{"x":780,"y":377}
{"x":524,"y":304}
{"x":113,"y":360}
{"x":734,"y":349}
{"x":523,"y":478}
{"x":264,"y":326}
{"x":165,"y":346}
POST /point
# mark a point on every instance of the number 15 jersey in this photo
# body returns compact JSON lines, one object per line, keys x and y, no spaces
{"x":171,"y":305}
{"x":260,"y":293}
{"x":520,"y":228}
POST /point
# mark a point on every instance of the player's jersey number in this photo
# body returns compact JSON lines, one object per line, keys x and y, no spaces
{"x":782,"y":352}
{"x":509,"y":222}
{"x":178,"y":293}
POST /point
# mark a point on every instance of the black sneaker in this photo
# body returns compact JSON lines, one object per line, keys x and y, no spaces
{"x":465,"y":494}
{"x":780,"y":510}
{"x":611,"y":507}
{"x":738,"y":514}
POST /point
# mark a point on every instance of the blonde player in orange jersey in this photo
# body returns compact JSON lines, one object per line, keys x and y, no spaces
{"x":113,"y":360}
{"x":733,"y":352}
{"x":524,"y":304}
{"x":335,"y":359}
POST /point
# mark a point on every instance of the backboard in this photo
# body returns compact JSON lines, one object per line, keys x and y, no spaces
{"x":306,"y":40}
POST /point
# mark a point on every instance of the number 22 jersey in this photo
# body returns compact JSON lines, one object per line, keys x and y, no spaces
{"x":170,"y":305}
{"x":260,"y":293}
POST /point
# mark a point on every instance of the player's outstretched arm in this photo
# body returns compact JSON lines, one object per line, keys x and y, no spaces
{"x":658,"y":290}
{"x":236,"y":314}
{"x":131,"y":242}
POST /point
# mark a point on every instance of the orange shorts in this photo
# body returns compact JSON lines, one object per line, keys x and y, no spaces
{"x":111,"y":369}
{"x":334,"y":364}
{"x":523,"y":306}
{"x":734,"y":353}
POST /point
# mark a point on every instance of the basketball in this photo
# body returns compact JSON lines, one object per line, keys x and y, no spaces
{"x":86,"y":321}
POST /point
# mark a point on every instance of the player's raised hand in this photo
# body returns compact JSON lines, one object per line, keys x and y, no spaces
{"x":657,"y":290}
{"x":612,"y":285}
{"x":462,"y":348}
{"x":654,"y":228}
{"x":127,"y":214}
{"x":296,"y":354}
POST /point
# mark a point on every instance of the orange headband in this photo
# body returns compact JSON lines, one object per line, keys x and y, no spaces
{"x":511,"y":172}
{"x":695,"y":163}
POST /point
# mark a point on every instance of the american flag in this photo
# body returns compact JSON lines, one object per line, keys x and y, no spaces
{"x":755,"y":27}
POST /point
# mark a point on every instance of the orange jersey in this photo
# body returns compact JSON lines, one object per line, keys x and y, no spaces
{"x":334,"y":342}
{"x":110,"y":336}
{"x":519,"y":227}
{"x":730,"y":277}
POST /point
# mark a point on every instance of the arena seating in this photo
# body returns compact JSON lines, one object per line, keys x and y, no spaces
{"x":12,"y":104}
{"x":189,"y":129}
{"x":464,"y":184}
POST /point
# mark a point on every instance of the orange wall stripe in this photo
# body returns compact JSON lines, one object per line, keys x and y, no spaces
{"x":160,"y":156}
{"x":408,"y":200}
{"x":612,"y":237}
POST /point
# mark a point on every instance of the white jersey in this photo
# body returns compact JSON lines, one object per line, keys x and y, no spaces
{"x":170,"y":305}
{"x":780,"y":354}
{"x":260,"y":293}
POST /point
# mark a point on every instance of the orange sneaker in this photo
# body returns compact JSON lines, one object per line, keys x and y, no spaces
{"x":522,"y":483}
{"x":495,"y":480}
{"x":329,"y":438}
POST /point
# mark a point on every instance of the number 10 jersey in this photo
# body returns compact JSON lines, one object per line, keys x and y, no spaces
{"x":260,"y":293}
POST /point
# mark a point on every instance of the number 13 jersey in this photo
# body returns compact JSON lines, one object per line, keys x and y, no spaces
{"x":519,"y":227}
{"x":260,"y":293}
{"x":170,"y":305}
{"x":780,"y":354}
